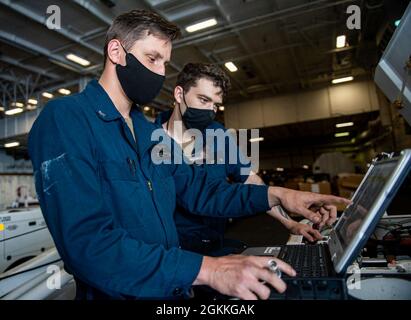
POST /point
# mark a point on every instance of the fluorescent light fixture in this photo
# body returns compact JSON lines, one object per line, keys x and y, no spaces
{"x":256,"y":139}
{"x":344,"y":124}
{"x":79,"y":60}
{"x":221,"y":108}
{"x":64,"y":91}
{"x":31,"y":107}
{"x":17,"y":104}
{"x":340,"y":43}
{"x":305,"y":167}
{"x":47,"y":95}
{"x":13,"y":111}
{"x":231,"y":66}
{"x":280,"y":169}
{"x":345,"y":79}
{"x":12,"y":144}
{"x":146,"y":108}
{"x":32,"y":101}
{"x":397,"y":22}
{"x":201,"y":25}
{"x":342,"y":134}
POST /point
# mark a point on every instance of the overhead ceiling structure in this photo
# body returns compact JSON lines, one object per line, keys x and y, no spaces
{"x":277,"y":46}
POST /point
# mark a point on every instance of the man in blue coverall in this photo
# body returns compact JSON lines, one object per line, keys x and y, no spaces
{"x":110,"y":209}
{"x":199,"y":91}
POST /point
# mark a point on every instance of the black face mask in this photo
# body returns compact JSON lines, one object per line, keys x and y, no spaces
{"x":140,"y":84}
{"x":197,"y":118}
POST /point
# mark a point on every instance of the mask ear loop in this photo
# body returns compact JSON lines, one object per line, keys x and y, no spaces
{"x":179,"y":105}
{"x":179,"y":110}
{"x":123,"y":47}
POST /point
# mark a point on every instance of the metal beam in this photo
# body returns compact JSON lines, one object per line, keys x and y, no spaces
{"x":95,"y":10}
{"x":30,"y":46}
{"x":257,"y":21}
{"x":43,"y":19}
{"x":244,"y":44}
{"x":17,"y":63}
{"x":246,"y":56}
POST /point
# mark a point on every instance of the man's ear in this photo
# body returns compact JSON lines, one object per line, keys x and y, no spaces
{"x":178,"y":94}
{"x":115,"y":52}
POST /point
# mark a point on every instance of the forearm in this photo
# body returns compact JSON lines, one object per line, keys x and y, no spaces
{"x":277,"y":211}
{"x":202,"y":194}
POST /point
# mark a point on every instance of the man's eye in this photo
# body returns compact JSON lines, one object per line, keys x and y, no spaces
{"x":203,"y":100}
{"x":151,"y":59}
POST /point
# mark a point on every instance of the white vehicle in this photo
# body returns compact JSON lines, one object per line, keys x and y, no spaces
{"x":23,"y":235}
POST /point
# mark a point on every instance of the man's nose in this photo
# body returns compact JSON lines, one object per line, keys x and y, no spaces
{"x":161,"y":70}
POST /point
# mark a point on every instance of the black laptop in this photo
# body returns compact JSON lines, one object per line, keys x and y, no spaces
{"x":321,"y":267}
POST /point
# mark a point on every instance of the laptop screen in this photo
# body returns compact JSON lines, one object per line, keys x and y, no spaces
{"x":355,"y":215}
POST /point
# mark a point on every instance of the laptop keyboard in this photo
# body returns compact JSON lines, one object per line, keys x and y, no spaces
{"x":307,"y":260}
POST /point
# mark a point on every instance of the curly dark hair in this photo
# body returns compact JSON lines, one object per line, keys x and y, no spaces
{"x":136,"y":24}
{"x":192,"y":72}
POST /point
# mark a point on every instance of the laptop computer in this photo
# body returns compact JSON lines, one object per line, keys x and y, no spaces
{"x":332,"y":258}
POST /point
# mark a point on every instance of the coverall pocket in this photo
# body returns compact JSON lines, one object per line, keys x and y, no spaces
{"x":119,"y":186}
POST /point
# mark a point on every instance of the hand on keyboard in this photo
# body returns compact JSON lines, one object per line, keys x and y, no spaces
{"x":306,"y":231}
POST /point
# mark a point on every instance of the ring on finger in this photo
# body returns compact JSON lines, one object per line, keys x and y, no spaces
{"x":273,"y":267}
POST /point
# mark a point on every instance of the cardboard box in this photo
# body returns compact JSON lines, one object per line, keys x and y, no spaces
{"x":347,"y":183}
{"x":323,"y":187}
{"x":350,"y":180}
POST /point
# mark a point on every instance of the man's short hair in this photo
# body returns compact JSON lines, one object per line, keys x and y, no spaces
{"x":192,"y":72}
{"x":137,"y":24}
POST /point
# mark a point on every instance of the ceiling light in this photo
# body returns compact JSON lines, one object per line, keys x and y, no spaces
{"x":79,"y":60}
{"x":280,"y":169}
{"x":12,"y":144}
{"x":231,"y":66}
{"x":339,"y":80}
{"x":47,"y":95}
{"x":17,"y":104}
{"x":32,"y":101}
{"x":344,"y":124}
{"x":2,"y":108}
{"x":221,"y":108}
{"x":146,"y":108}
{"x":340,"y":43}
{"x":305,"y":167}
{"x":256,"y":139}
{"x":31,"y":107}
{"x":201,"y":25}
{"x":11,"y":112}
{"x":342,"y":134}
{"x":64,"y":91}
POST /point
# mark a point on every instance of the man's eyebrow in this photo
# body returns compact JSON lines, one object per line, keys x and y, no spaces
{"x":208,"y":98}
{"x":156,"y":54}
{"x":204,"y":96}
